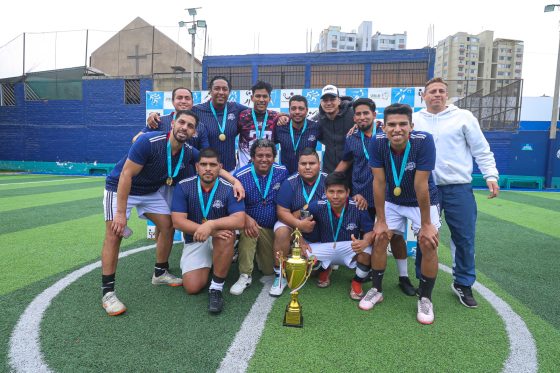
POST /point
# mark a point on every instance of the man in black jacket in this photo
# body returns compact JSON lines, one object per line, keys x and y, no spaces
{"x":336,"y":117}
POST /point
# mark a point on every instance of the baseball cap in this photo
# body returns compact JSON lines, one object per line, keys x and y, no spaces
{"x":329,"y":90}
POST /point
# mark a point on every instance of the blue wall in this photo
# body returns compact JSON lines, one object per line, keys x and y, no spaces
{"x":97,"y":129}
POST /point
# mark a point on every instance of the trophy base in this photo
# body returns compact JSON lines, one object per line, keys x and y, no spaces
{"x":293,"y":317}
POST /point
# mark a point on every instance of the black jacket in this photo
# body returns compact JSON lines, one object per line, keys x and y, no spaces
{"x":333,"y":133}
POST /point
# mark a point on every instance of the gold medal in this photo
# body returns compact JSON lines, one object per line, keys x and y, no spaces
{"x":334,"y":245}
{"x":305,"y":206}
{"x":204,"y":221}
{"x":397,"y":191}
{"x":222,"y":137}
{"x":169,"y":181}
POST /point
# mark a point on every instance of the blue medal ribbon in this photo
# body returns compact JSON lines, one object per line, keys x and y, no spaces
{"x":296,"y":144}
{"x":206,"y":208}
{"x":222,"y":126}
{"x":169,"y":174}
{"x":335,"y":234}
{"x":403,"y":165}
{"x":310,"y":196}
{"x":364,"y":145}
{"x":261,"y":135}
{"x":269,"y":180}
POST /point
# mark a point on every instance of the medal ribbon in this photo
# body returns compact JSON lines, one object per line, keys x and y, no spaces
{"x":403,"y":165}
{"x":265,"y":120}
{"x":169,"y":174}
{"x":269,"y":180}
{"x":222,"y":127}
{"x":296,"y":144}
{"x":335,"y":234}
{"x":308,"y":197}
{"x":206,"y":208}
{"x":364,"y":145}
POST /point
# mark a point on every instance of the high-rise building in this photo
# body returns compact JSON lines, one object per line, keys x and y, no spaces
{"x":364,"y":36}
{"x":333,"y":39}
{"x":385,"y":42}
{"x":472,"y":63}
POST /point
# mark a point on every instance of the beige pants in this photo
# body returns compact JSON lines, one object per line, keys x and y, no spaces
{"x":261,"y":247}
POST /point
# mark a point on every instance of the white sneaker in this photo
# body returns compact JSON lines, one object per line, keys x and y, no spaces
{"x":425,"y":313}
{"x":112,"y":305}
{"x":278,"y":287}
{"x":243,"y":283}
{"x":167,"y":279}
{"x":371,"y":298}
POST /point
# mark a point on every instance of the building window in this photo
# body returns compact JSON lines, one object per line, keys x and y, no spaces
{"x":283,"y":76}
{"x":132,"y":91}
{"x":8,"y":95}
{"x":240,"y":77}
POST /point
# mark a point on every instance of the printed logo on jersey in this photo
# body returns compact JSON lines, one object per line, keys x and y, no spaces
{"x":311,"y":138}
{"x":276,"y":186}
{"x":351,"y":226}
{"x":410,"y":166}
{"x":218,"y":204}
{"x":230,"y":116}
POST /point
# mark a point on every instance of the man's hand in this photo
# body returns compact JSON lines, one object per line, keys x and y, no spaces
{"x":153,"y":120}
{"x":283,"y":119}
{"x":494,"y":188}
{"x":238,"y":190}
{"x":305,"y":248}
{"x":307,"y":225}
{"x":118,"y":224}
{"x":203,"y":231}
{"x":223,"y":234}
{"x":428,"y":237}
{"x":360,"y":201}
{"x":358,"y":246}
{"x":380,"y":230}
{"x":252,"y":229}
{"x":351,"y":131}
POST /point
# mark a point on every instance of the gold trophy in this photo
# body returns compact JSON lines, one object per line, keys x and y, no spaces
{"x":296,"y":270}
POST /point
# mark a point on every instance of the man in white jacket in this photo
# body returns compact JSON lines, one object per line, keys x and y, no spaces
{"x":458,"y":139}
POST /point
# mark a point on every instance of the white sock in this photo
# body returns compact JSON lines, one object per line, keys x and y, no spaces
{"x":402,"y":266}
{"x":216,"y":286}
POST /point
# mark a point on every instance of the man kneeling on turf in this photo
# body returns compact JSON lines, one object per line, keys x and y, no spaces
{"x":205,"y":209}
{"x":402,"y":161}
{"x":340,"y":223}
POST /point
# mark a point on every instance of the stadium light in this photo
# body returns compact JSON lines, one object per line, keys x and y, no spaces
{"x":554,"y":116}
{"x":192,"y":31}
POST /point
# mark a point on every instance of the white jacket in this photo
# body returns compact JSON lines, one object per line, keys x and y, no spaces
{"x":458,"y":139}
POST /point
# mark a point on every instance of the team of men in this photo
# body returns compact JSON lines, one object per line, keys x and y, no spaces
{"x":374,"y":182}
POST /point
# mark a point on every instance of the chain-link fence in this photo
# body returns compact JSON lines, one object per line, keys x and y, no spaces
{"x":499,"y":110}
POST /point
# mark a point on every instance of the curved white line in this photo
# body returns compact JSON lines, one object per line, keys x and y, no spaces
{"x":25,"y":349}
{"x":522,"y":348}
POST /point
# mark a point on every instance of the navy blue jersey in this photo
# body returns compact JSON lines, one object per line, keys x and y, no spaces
{"x":263,"y":211}
{"x":289,"y":157}
{"x":186,"y":200}
{"x":199,"y":140}
{"x":291,"y":195}
{"x":354,"y":221}
{"x":422,"y":157}
{"x":208,"y":121}
{"x":362,"y":178}
{"x":150,"y":151}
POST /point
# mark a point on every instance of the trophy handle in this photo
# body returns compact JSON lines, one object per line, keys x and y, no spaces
{"x":310,"y":263}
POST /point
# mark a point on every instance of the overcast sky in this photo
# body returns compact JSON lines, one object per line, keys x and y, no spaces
{"x":244,"y":27}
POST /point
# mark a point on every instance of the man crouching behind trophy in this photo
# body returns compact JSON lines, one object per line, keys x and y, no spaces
{"x":296,"y":270}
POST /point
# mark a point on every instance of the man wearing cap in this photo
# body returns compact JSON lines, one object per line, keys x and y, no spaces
{"x":335,"y":118}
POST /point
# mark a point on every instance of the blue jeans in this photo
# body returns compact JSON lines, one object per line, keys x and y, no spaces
{"x":458,"y":203}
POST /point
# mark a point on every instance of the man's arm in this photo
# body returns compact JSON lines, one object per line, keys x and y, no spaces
{"x":182,"y":223}
{"x":343,"y":166}
{"x":285,"y":216}
{"x":230,"y":222}
{"x":428,"y":234}
{"x":130,"y":169}
{"x":379,"y":186}
{"x":238,"y":190}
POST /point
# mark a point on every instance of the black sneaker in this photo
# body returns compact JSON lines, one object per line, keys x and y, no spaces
{"x":215,"y":301}
{"x":465,"y":295}
{"x":406,"y":286}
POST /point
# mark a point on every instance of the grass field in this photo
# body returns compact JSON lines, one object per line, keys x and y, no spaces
{"x":52,"y":226}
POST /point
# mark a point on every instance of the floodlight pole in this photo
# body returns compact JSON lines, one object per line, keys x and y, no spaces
{"x":554,"y":117}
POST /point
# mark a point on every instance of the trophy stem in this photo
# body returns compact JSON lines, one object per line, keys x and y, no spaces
{"x":293,"y":316}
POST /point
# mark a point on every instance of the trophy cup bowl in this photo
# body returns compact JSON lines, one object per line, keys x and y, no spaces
{"x":296,"y":270}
